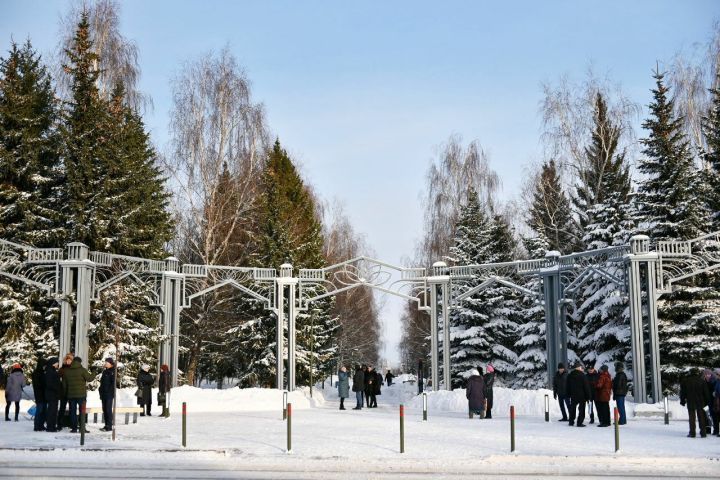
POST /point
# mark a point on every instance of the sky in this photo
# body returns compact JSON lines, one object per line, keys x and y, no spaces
{"x":362,"y":94}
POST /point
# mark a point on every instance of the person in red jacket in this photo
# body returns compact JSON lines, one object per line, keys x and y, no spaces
{"x":603,"y":389}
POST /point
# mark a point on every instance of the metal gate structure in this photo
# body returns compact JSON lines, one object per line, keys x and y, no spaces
{"x":76,"y":276}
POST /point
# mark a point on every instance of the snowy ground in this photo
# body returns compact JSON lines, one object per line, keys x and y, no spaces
{"x":240,"y":434}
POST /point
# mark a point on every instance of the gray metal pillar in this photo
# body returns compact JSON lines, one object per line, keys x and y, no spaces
{"x":434,"y":336}
{"x":555,"y":323}
{"x":642,"y":280}
{"x":78,"y":278}
{"x":171,"y":300}
{"x":446,"y":334}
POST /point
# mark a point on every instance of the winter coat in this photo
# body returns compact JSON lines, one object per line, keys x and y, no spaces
{"x":145,"y":382}
{"x":388,"y":378}
{"x":53,"y":385}
{"x":475,"y":392}
{"x":593,"y":380}
{"x":38,"y":382}
{"x":603,"y":387}
{"x":63,"y":385}
{"x":578,"y":387}
{"x":489,"y":380}
{"x":107,"y":384}
{"x":343,"y":385}
{"x":14,"y":386}
{"x":694,"y":392}
{"x":560,"y":384}
{"x":370,"y":380}
{"x":378,"y":383}
{"x":75,"y":380}
{"x":164,"y":383}
{"x":358,"y":381}
{"x":620,"y":384}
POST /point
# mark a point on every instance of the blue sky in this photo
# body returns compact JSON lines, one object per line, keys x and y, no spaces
{"x":361,"y":93}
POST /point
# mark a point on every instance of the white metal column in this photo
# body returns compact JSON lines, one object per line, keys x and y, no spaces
{"x":446,"y":334}
{"x":280,"y":312}
{"x":434,"y":336}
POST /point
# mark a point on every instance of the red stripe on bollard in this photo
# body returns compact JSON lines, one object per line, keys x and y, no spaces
{"x":402,"y":410}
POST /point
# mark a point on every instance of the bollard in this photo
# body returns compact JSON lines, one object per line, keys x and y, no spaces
{"x":289,"y":427}
{"x":285,"y":404}
{"x":184,"y":425}
{"x":547,"y":408}
{"x":512,"y":428}
{"x":424,"y":407}
{"x":667,"y":412}
{"x":402,"y":428}
{"x":82,"y":423}
{"x":617,"y":429}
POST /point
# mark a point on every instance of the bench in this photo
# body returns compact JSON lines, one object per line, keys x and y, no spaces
{"x":126,"y":410}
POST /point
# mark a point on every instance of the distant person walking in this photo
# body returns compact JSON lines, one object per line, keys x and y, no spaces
{"x":389,"y":378}
{"x":343,"y":386}
{"x":578,"y":388}
{"x":475,"y":394}
{"x":145,"y":383}
{"x":13,"y":390}
{"x":560,"y":390}
{"x":358,"y":387}
{"x":620,"y":391}
{"x":489,"y":379}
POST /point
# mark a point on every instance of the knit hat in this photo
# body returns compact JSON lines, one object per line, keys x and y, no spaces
{"x":474,"y":372}
{"x":52,"y":361}
{"x":604,"y":368}
{"x":110,"y":361}
{"x":77,"y":359}
{"x":16,"y":365}
{"x":490,"y":368}
{"x":619,"y":366}
{"x":561,"y":365}
{"x":145,"y":367}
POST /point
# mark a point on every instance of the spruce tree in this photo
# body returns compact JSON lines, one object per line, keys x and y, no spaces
{"x":711,"y":156}
{"x":550,"y":214}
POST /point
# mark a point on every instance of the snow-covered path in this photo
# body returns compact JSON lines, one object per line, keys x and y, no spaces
{"x":248,"y":441}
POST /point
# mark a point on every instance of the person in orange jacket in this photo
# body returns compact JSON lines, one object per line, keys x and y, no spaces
{"x":603,"y":390}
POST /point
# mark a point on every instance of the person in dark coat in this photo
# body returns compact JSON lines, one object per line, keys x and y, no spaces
{"x":343,"y":386}
{"x":620,"y":391}
{"x":694,"y":394}
{"x":389,"y":378}
{"x":164,"y":386}
{"x":107,"y":393}
{"x":38,"y":384}
{"x":716,"y":403}
{"x":370,"y":386}
{"x":53,"y":389}
{"x":578,"y":389}
{"x":13,"y":390}
{"x":145,"y":383}
{"x":377,"y":390}
{"x":75,"y":379}
{"x":593,"y":377}
{"x":67,"y":361}
{"x":560,"y":390}
{"x":475,"y":394}
{"x":366,"y":400}
{"x":603,"y":390}
{"x":358,"y":387}
{"x":489,"y":379}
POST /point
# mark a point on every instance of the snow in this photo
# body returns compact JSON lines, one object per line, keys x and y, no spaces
{"x":243,"y":429}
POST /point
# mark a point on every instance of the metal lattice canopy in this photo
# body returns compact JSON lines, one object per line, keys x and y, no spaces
{"x":76,"y":276}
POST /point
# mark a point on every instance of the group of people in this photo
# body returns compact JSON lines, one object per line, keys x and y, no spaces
{"x":479,"y":392}
{"x":61,"y":389}
{"x":366,"y":383}
{"x":697,"y":391}
{"x":578,"y":388}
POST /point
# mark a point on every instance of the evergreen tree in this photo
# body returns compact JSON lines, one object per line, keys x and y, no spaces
{"x":29,"y":213}
{"x":531,"y":368}
{"x":711,"y":156}
{"x":550,"y":214}
{"x":291,"y":233}
{"x":667,"y":197}
{"x":601,"y":320}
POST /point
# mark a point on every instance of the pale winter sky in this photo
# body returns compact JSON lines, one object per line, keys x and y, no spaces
{"x":362,"y":93}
